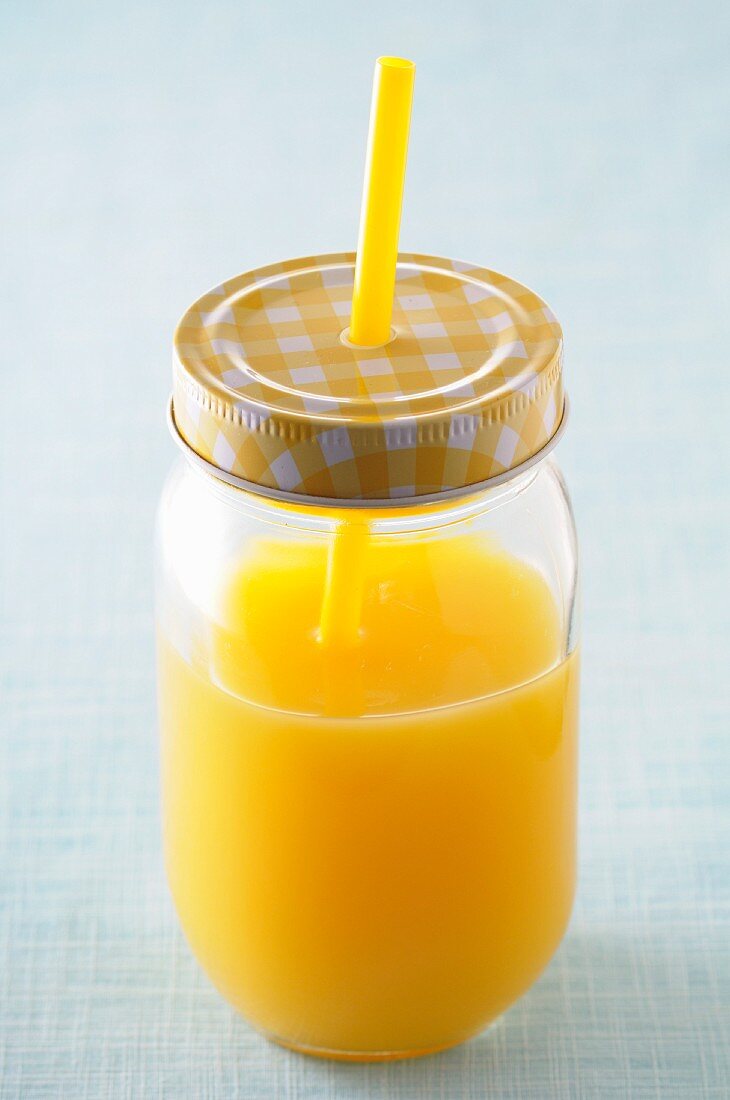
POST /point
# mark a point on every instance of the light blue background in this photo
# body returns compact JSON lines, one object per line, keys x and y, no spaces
{"x":150,"y":150}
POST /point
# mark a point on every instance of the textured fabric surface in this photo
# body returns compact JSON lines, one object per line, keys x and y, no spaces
{"x":136,"y":174}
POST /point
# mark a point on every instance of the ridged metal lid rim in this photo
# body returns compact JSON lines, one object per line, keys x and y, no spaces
{"x":306,"y":500}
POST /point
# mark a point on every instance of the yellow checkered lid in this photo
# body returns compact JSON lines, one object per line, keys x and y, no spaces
{"x":267,"y":388}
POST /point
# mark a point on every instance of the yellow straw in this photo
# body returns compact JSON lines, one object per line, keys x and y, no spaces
{"x":385,"y":170}
{"x":339,"y":629}
{"x":343,"y":589}
{"x":372,"y":308}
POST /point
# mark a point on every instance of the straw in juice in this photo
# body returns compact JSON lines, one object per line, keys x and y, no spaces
{"x":372,"y":309}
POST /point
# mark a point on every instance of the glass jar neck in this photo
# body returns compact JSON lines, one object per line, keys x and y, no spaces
{"x":315,"y":516}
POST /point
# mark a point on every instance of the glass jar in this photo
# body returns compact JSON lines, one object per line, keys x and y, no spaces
{"x":368,"y":707}
{"x":371,"y":848}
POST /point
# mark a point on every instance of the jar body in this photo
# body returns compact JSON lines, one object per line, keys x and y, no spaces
{"x":369,"y":737}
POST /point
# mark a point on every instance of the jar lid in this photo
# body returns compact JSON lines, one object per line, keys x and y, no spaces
{"x":268,"y":389}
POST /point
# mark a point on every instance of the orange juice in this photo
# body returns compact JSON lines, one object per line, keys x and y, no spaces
{"x":371,"y":840}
